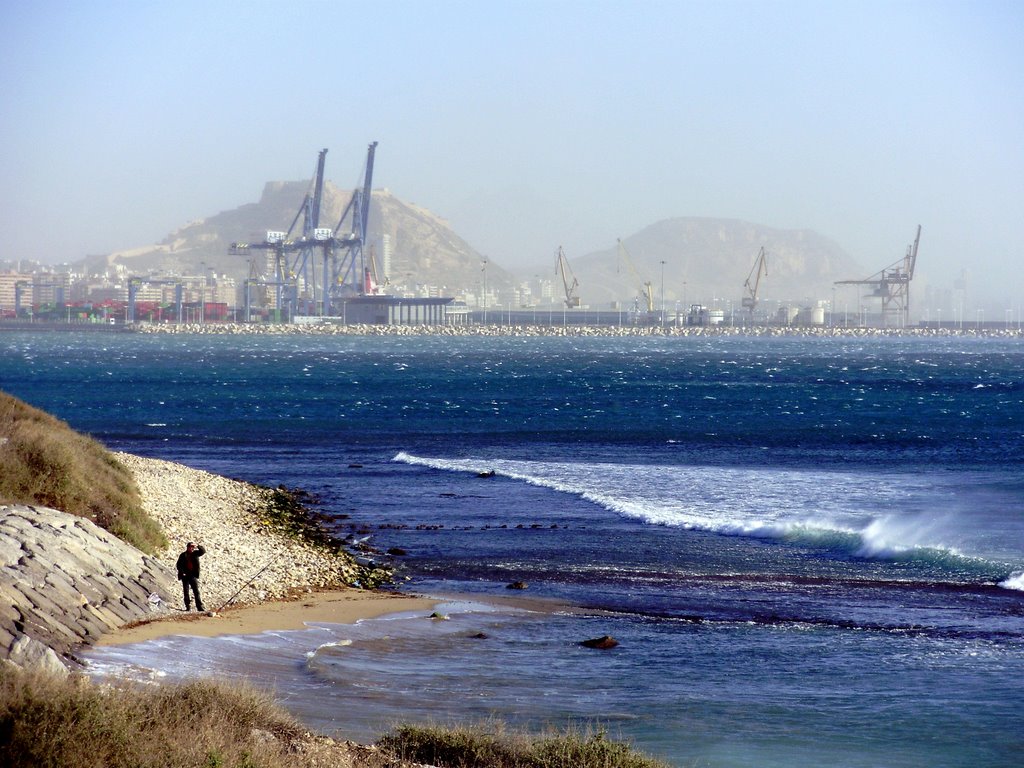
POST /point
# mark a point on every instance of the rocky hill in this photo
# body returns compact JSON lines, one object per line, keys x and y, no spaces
{"x":424,"y":249}
{"x":707,"y":260}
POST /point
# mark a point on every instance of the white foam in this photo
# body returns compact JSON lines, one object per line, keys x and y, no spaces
{"x":1016,"y":581}
{"x":882,"y":515}
{"x":324,"y":646}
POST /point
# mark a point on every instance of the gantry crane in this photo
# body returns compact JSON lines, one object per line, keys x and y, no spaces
{"x":759,"y":270}
{"x":343,"y":261}
{"x":646,"y":290}
{"x":347,"y":274}
{"x":569,"y":281}
{"x":290,"y":274}
{"x":892,"y":285}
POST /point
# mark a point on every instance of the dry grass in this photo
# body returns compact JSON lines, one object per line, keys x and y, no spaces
{"x":47,"y":721}
{"x":71,"y":722}
{"x":46,"y":463}
{"x":490,"y":745}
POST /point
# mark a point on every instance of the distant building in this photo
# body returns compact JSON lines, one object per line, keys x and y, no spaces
{"x":396,"y":310}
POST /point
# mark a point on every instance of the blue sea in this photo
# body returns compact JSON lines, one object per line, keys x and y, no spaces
{"x":811,"y":550}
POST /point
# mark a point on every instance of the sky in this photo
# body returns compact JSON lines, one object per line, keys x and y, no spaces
{"x":529,"y":125}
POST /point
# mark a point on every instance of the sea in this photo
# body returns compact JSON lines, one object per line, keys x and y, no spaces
{"x":810,"y":550}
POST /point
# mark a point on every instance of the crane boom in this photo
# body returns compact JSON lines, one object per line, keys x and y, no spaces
{"x":892,"y":284}
{"x":759,"y":269}
{"x":646,"y":289}
{"x":569,"y":281}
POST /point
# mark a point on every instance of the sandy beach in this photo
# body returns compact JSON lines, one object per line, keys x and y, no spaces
{"x":300,"y":585}
{"x":339,"y":606}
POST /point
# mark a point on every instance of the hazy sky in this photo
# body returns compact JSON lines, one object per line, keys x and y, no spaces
{"x":528,"y":125}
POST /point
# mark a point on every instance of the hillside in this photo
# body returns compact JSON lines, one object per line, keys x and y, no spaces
{"x":706,"y":260}
{"x":709,"y":259}
{"x":424,"y":249}
{"x":45,"y":462}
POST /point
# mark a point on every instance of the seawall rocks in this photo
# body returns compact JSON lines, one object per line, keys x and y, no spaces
{"x":337,"y":329}
{"x":65,"y":581}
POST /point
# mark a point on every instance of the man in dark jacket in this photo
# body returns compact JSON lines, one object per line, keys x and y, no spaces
{"x":188,"y":573}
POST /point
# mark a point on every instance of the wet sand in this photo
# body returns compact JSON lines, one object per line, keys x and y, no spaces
{"x":343,"y":606}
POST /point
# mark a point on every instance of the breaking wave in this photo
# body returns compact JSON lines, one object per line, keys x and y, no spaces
{"x":885,"y":517}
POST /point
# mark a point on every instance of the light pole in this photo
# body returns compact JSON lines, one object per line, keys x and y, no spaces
{"x":484,"y":299}
{"x":663,"y":294}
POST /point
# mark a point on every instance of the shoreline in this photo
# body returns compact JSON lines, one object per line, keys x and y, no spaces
{"x":333,"y":606}
{"x":328,"y":606}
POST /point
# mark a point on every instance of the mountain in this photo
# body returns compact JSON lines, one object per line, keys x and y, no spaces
{"x":707,"y":261}
{"x":423,"y":248}
{"x":695,"y":260}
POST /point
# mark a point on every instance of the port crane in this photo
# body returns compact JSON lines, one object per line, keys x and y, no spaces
{"x":343,"y":267}
{"x":569,"y":281}
{"x":892,"y":285}
{"x":347,"y":274}
{"x":753,"y":281}
{"x":291,"y":257}
{"x":646,"y":289}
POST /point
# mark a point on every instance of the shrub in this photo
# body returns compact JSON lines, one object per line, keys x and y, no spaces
{"x":491,"y":746}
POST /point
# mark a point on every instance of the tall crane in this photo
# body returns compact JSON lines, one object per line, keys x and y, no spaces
{"x":291,"y":256}
{"x":892,"y":285}
{"x":753,"y":281}
{"x":646,"y":290}
{"x":346,"y":274}
{"x":343,"y":266}
{"x":569,"y":281}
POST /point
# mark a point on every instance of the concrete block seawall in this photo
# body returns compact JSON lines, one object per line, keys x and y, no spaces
{"x":65,"y":581}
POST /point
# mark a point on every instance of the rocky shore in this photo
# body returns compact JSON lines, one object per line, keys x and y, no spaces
{"x":224,"y":516}
{"x":64,"y":581}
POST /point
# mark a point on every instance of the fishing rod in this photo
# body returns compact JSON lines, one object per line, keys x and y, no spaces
{"x":250,"y":581}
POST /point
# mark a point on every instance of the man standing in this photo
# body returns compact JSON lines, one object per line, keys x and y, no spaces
{"x":188,"y":573}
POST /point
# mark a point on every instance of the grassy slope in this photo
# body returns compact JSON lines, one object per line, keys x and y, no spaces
{"x":45,"y":462}
{"x":48,"y":721}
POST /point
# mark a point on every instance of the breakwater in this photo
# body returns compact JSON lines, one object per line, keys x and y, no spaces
{"x":65,"y":581}
{"x":329,"y":328}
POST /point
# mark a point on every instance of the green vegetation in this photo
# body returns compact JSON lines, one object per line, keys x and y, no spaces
{"x":491,"y":746}
{"x":288,"y":512}
{"x":46,"y":463}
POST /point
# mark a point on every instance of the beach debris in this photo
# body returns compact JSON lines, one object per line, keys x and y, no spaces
{"x":602,"y":643}
{"x":397,"y":552}
{"x":516,"y":585}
